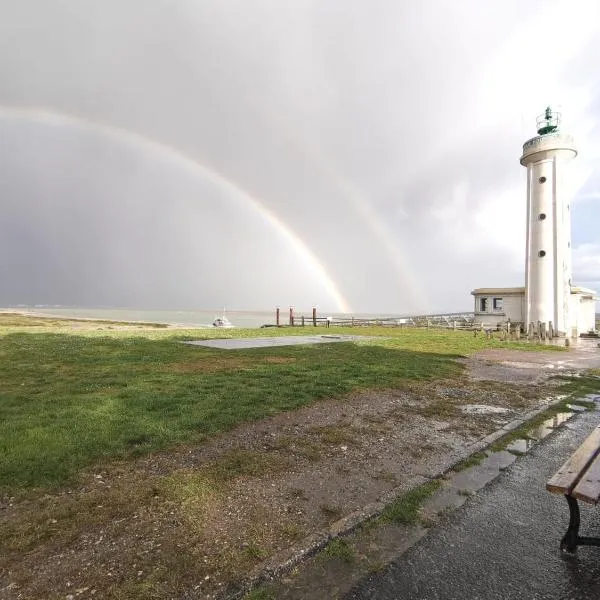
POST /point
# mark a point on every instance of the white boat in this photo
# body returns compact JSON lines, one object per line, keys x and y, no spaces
{"x":223,"y":322}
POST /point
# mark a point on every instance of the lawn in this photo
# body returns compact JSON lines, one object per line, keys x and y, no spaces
{"x":75,"y":393}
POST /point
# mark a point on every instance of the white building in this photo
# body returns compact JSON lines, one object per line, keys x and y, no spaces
{"x":549,"y":299}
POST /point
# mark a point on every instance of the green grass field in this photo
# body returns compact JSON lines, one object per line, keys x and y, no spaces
{"x":73,"y":394}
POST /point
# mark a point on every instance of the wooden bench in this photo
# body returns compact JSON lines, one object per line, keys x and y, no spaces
{"x":579,"y":479}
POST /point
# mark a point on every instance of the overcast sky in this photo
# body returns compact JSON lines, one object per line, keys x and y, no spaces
{"x":356,"y":155}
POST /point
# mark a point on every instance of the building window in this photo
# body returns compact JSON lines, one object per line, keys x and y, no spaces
{"x":542,"y":216}
{"x":498,"y":303}
{"x":542,"y":253}
{"x":483,"y":304}
{"x":542,"y":180}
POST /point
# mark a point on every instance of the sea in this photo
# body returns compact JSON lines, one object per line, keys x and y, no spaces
{"x":181,"y":318}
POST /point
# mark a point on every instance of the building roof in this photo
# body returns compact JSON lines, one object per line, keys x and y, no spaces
{"x":512,"y":291}
{"x":586,"y":292}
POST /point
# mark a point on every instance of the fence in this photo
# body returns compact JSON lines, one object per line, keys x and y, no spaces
{"x":446,"y":321}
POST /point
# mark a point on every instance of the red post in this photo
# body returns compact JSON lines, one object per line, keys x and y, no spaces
{"x":314,"y":316}
{"x":277,"y":316}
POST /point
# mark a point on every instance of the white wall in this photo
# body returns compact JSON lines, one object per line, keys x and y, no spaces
{"x":512,"y":308}
{"x":583,"y":313}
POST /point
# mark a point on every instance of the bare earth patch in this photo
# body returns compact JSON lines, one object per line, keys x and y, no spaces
{"x":188,"y":523}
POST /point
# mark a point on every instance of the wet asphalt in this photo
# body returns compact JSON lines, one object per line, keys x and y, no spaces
{"x":503,"y":543}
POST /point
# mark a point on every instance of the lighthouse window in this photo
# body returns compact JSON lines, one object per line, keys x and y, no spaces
{"x":542,"y":253}
{"x":497,"y":303}
{"x":542,"y":180}
{"x":483,"y":303}
{"x":542,"y":216}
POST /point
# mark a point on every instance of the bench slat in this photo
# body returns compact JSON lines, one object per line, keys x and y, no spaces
{"x":588,"y":488}
{"x":567,"y":477}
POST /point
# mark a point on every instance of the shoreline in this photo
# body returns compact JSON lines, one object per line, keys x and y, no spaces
{"x":153,"y":324}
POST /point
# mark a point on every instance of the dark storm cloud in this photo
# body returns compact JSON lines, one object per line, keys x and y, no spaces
{"x":386,"y":135}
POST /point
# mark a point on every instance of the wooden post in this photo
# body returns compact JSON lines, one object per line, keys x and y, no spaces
{"x":302,"y":320}
{"x":277,"y":316}
{"x":291,"y":316}
{"x":550,"y":330}
{"x":530,"y":331}
{"x":314,"y":316}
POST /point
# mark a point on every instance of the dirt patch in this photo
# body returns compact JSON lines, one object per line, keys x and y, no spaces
{"x":187,"y":523}
{"x":279,"y":360}
{"x":518,"y":366}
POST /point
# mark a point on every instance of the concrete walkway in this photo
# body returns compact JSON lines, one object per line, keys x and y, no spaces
{"x":271,"y":342}
{"x":503,"y":543}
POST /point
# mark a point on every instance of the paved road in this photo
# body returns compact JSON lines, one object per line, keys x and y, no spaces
{"x":503,"y":543}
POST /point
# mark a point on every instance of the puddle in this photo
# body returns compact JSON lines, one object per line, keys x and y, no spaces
{"x":576,"y":408}
{"x":546,"y":428}
{"x":471,"y":480}
{"x":523,"y":445}
{"x":521,"y":365}
{"x":465,"y":483}
{"x":520,"y":446}
{"x":377,"y":546}
{"x":484,"y":409}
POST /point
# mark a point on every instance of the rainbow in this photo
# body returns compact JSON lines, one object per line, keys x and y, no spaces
{"x":369,"y":217}
{"x":52,"y":118}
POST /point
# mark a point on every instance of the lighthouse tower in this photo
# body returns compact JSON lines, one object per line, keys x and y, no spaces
{"x":548,"y":251}
{"x":549,"y":304}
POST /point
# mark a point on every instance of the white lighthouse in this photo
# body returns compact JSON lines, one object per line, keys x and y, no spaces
{"x":549,"y":302}
{"x":548,"y":250}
